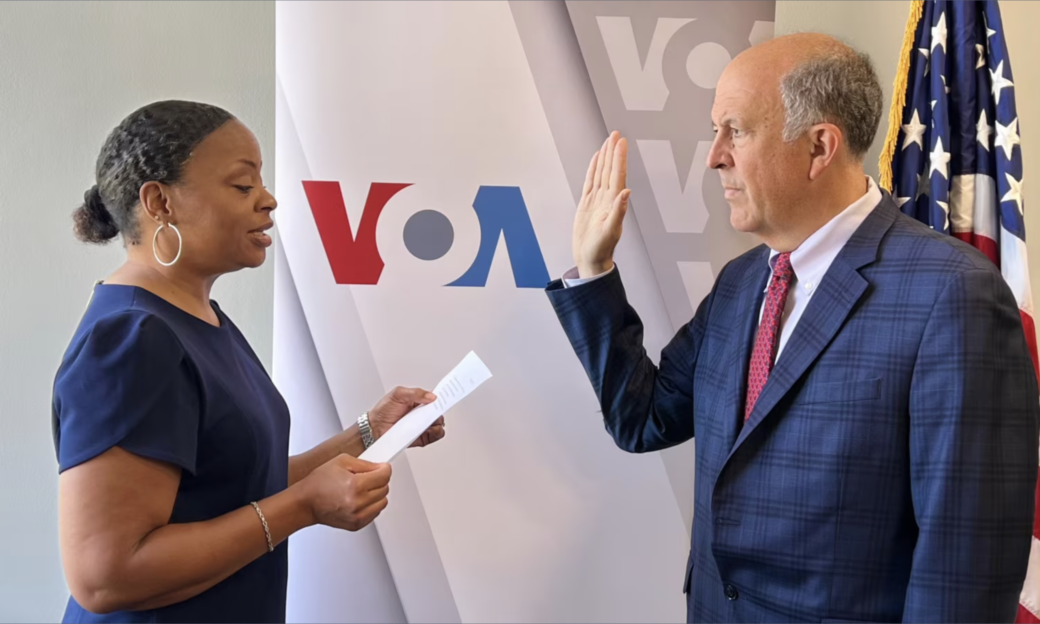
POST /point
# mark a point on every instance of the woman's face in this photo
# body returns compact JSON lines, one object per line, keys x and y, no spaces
{"x":220,"y":205}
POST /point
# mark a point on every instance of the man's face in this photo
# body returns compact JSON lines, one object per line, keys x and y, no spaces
{"x":761,"y":173}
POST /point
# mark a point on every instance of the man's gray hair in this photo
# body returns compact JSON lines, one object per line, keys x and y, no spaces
{"x":839,"y":87}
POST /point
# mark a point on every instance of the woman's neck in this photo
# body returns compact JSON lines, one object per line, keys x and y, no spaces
{"x":174,"y":284}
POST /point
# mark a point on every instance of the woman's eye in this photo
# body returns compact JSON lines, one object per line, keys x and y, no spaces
{"x":244,"y":189}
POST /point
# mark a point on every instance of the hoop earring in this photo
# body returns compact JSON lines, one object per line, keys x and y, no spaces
{"x":180,"y":244}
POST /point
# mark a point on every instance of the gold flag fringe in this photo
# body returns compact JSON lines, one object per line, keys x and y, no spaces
{"x":895,"y":114}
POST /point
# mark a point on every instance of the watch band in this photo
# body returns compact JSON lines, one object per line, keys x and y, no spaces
{"x":366,"y":430}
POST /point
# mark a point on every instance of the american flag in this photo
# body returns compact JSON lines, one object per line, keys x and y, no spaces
{"x":954,"y":157}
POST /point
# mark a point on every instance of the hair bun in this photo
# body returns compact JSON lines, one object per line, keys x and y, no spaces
{"x":94,"y":223}
{"x":95,"y":204}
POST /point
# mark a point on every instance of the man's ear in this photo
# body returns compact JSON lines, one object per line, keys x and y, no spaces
{"x":825,"y":140}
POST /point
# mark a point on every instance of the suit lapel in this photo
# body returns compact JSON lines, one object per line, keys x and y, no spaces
{"x":838,"y":293}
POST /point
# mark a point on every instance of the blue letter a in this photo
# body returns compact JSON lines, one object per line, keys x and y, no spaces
{"x":502,"y":209}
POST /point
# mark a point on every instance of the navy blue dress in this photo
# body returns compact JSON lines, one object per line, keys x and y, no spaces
{"x":146,"y":376}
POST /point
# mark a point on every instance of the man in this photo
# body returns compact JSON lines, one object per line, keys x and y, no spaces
{"x":865,"y":406}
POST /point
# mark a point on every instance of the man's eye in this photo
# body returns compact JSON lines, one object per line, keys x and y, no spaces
{"x":244,"y":189}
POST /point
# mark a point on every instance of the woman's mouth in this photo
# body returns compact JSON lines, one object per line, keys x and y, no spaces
{"x":260,"y":236}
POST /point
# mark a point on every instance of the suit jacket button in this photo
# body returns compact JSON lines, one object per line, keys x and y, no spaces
{"x":731,"y":592}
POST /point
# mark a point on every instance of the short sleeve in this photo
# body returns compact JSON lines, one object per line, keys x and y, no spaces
{"x":127,"y":382}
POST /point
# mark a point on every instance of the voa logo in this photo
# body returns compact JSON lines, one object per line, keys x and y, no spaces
{"x":354,"y":255}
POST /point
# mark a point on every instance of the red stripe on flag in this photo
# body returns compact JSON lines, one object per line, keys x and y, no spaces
{"x":985,"y":244}
{"x":1025,"y":617}
{"x":1030,"y":329}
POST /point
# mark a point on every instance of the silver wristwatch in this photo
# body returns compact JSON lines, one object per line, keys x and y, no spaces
{"x":366,"y":430}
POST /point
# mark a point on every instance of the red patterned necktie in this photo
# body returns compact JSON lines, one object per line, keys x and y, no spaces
{"x":767,"y":338}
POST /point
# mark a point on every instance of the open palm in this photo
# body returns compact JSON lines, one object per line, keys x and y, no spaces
{"x":604,"y":201}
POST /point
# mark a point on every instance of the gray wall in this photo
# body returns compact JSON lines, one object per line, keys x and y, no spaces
{"x":69,"y":72}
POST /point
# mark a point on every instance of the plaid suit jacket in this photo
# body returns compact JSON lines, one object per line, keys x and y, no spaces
{"x":887,"y":471}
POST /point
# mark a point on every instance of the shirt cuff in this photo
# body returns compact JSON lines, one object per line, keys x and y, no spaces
{"x":571,"y":279}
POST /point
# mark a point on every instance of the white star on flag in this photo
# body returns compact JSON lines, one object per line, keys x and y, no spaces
{"x":983,"y":131}
{"x":999,"y":81}
{"x":914,"y":132}
{"x":1007,"y":137}
{"x":927,"y":54}
{"x":901,"y":200}
{"x":982,"y":56}
{"x":1014,"y":194}
{"x":939,"y":160}
{"x":939,"y":33}
{"x":946,"y":210}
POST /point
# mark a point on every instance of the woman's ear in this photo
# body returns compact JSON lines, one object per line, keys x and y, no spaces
{"x":155,"y":199}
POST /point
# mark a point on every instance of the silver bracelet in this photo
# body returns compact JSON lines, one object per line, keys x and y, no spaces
{"x":263,"y":521}
{"x":366,"y":430}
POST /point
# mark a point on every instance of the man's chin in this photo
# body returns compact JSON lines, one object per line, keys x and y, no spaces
{"x":739,"y":221}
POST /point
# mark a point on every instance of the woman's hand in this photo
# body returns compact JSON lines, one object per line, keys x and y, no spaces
{"x":346,"y":492}
{"x":390,"y":409}
{"x":393,"y":407}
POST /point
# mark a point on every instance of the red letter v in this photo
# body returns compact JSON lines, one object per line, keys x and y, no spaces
{"x":354,"y":260}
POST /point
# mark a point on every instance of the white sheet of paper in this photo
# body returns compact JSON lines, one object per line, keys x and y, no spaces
{"x":463,"y":379}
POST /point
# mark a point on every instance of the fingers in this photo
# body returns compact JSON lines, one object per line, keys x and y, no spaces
{"x":619,"y":166}
{"x":367,"y":475}
{"x":355,"y":465}
{"x":412,"y":396}
{"x":431,"y":435}
{"x":372,"y":496}
{"x":608,"y":157}
{"x":374,"y":479}
{"x":618,"y":210}
{"x":434,"y":434}
{"x":590,"y":175}
{"x":609,"y":166}
{"x":365,"y":512}
{"x":369,"y":513}
{"x":600,"y":163}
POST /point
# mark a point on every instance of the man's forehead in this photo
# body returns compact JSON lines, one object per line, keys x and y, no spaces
{"x":736,"y":100}
{"x":744,"y":89}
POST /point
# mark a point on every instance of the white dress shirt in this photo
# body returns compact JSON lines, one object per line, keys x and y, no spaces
{"x":809,"y":262}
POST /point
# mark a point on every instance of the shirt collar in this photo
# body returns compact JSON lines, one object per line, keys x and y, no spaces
{"x":814,"y":256}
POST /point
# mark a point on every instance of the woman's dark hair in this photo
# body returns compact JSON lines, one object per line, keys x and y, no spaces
{"x":151,"y":145}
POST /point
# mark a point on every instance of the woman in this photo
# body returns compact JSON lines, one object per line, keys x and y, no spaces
{"x":176,"y":493}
